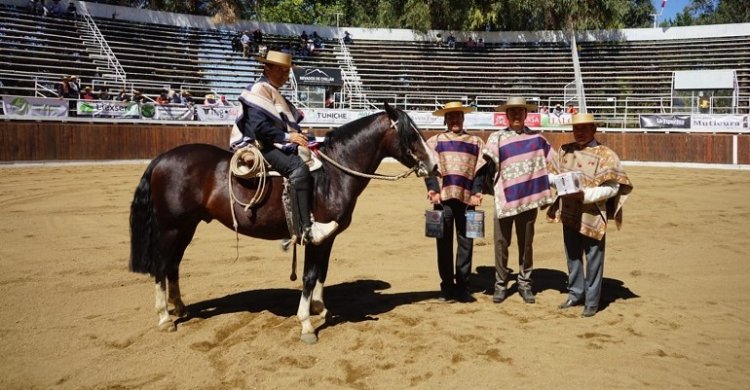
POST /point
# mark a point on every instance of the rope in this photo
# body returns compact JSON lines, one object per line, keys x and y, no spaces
{"x":367,"y":175}
{"x":238,"y":166}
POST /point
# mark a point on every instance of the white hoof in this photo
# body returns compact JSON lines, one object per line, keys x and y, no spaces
{"x":168,"y":326}
{"x":308,"y":338}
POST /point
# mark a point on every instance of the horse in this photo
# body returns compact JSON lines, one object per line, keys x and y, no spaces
{"x":191,"y":183}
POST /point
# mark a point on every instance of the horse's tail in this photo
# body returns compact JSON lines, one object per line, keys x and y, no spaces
{"x":144,"y":228}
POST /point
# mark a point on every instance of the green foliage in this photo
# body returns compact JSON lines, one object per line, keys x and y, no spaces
{"x":462,"y":15}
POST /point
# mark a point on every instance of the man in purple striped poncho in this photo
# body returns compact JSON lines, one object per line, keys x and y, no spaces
{"x":521,"y":186}
{"x":460,"y":160}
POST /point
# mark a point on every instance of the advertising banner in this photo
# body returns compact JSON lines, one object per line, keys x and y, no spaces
{"x":556,"y":120}
{"x":665,"y":121}
{"x":335,"y":117}
{"x":533,"y":119}
{"x":218,"y":113}
{"x":720,"y":122}
{"x":108,"y":109}
{"x":34,"y":107}
{"x":168,"y":112}
{"x":318,"y":76}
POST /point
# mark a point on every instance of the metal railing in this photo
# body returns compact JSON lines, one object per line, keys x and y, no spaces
{"x":105,"y":52}
{"x":352,"y":93}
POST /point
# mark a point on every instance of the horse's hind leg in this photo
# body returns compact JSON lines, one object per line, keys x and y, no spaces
{"x":182,"y":240}
{"x":165,"y":322}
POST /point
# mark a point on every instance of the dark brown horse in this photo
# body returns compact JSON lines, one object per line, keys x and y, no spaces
{"x":189,"y":184}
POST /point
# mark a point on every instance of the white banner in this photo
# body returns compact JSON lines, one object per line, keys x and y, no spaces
{"x":108,"y":109}
{"x":34,"y":107}
{"x":335,"y":117}
{"x":719,"y":122}
{"x":168,"y":112}
{"x":218,"y":113}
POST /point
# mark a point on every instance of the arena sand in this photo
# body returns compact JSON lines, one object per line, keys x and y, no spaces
{"x":675,"y":310}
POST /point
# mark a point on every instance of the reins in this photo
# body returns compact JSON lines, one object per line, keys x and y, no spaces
{"x":373,"y":176}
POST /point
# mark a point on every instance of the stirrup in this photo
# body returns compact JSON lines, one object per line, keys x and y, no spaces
{"x":319,"y":232}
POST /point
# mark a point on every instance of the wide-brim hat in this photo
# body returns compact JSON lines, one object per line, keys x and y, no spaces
{"x":580,"y":119}
{"x":453,"y":106}
{"x":276,"y":58}
{"x":516,"y":101}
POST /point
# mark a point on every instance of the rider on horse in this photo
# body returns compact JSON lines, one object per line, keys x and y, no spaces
{"x":270,"y":121}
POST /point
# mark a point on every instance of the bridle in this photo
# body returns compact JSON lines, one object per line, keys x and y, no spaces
{"x":418,"y":167}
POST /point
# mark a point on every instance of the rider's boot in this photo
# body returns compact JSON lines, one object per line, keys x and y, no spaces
{"x":314,"y":233}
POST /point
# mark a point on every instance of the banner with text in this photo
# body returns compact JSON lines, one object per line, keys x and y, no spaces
{"x":720,"y":122}
{"x":218,"y":113}
{"x":333,"y":117}
{"x":665,"y":121}
{"x":108,"y":109}
{"x":34,"y":107}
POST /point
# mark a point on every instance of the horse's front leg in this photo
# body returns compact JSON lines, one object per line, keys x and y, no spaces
{"x":316,"y":259}
{"x":165,"y":323}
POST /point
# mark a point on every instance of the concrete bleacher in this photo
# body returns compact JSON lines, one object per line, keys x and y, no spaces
{"x":422,"y":75}
{"x":35,"y":49}
{"x":643,"y":69}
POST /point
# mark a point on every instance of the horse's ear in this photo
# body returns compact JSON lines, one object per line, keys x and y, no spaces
{"x":390,"y":110}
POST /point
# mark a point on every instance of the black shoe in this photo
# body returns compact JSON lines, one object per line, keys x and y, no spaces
{"x":465,"y":297}
{"x":499,"y":295}
{"x":567,"y":304}
{"x":527,"y":295}
{"x":589,"y":311}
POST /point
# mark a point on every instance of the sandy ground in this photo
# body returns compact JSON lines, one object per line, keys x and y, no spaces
{"x":675,"y":310}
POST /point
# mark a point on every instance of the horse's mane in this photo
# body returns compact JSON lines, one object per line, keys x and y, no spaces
{"x":350,"y":130}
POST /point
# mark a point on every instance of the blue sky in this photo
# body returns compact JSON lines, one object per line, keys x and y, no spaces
{"x":671,"y":9}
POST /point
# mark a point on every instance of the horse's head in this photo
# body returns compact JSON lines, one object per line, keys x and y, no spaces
{"x":407,"y":145}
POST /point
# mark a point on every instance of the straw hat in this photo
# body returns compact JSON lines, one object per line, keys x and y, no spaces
{"x":276,"y":58}
{"x":580,"y":119}
{"x":453,"y":106}
{"x":516,"y":101}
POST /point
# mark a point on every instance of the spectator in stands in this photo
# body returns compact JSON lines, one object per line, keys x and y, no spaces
{"x":703,"y":103}
{"x":163,"y":97}
{"x":55,"y":8}
{"x":262,"y":51}
{"x":572,"y":110}
{"x":104,"y":94}
{"x":174,"y":97}
{"x":210,"y":100}
{"x":187,"y":98}
{"x":35,"y":7}
{"x":470,"y":44}
{"x":520,"y":157}
{"x":87,"y":94}
{"x":122,"y":96}
{"x":451,"y":41}
{"x":558,"y":110}
{"x":246,"y":41}
{"x":74,"y":87}
{"x":543,"y":110}
{"x":269,"y":119}
{"x":303,"y":37}
{"x":348,"y":38}
{"x":439,"y":40}
{"x":316,"y":40}
{"x":236,"y":43}
{"x":480,"y":44}
{"x":257,"y":38}
{"x":223,"y":101}
{"x":72,"y":10}
{"x":63,"y":87}
{"x":138,"y":97}
{"x":329,"y":102}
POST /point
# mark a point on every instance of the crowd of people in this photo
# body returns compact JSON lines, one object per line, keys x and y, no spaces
{"x":53,"y":8}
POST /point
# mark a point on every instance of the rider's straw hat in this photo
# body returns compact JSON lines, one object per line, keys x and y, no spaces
{"x":276,"y":58}
{"x":579,"y":119}
{"x":453,"y":106}
{"x":516,"y":101}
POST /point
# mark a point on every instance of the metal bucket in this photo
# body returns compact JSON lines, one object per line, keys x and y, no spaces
{"x":475,"y":224}
{"x":433,"y":223}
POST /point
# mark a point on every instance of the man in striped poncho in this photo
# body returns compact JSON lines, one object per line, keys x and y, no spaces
{"x":521,"y":186}
{"x":460,"y":159}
